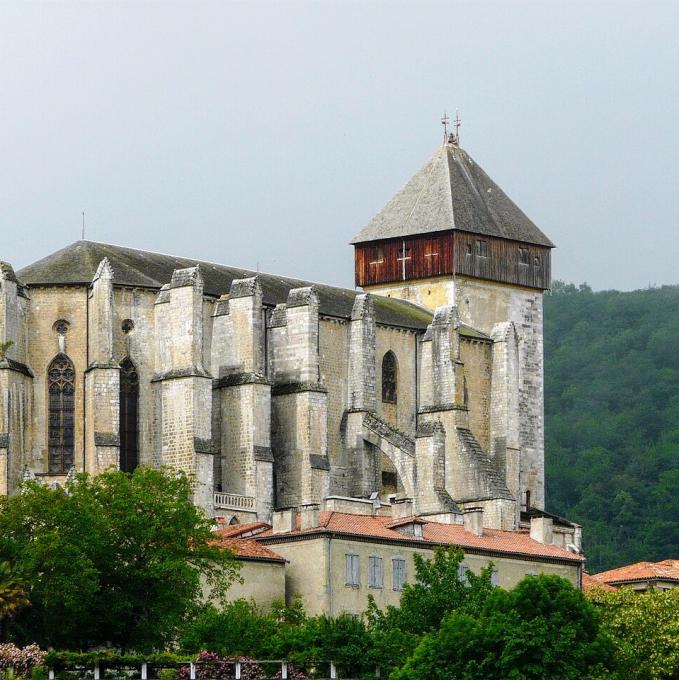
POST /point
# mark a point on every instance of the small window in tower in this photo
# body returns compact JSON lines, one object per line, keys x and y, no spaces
{"x":524,"y":258}
{"x":470,"y":250}
{"x":375,"y":256}
{"x":482,"y":248}
{"x":536,"y":260}
{"x":389,"y":378}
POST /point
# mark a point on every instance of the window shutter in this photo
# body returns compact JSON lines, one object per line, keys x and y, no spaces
{"x":355,"y":570}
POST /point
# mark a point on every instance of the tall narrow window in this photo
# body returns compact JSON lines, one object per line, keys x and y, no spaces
{"x":351,"y":570}
{"x":129,"y":429}
{"x":398,"y":573}
{"x":375,"y":573}
{"x":389,"y":378}
{"x":60,"y":435}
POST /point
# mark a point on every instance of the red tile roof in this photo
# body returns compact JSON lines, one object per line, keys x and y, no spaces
{"x":493,"y":540}
{"x":590,"y":582}
{"x":667,"y":570}
{"x":250,"y":549}
{"x":241,"y":530}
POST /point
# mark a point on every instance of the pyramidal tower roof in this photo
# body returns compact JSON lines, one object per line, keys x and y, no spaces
{"x":451,"y":191}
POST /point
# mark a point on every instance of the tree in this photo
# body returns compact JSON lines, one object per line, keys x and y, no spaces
{"x":542,"y":629}
{"x":438,"y":589}
{"x":113,"y":559}
{"x":644,"y":629}
{"x":12,"y":592}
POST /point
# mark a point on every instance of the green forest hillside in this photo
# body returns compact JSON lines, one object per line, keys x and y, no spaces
{"x":612,"y":419}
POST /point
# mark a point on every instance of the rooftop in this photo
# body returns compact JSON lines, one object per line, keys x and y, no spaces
{"x":433,"y":533}
{"x":667,"y":570}
{"x":247,"y":548}
{"x":451,"y":191}
{"x":77,"y":263}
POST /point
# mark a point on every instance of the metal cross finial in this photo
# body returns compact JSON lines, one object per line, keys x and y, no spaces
{"x":456,"y":124}
{"x":444,"y":121}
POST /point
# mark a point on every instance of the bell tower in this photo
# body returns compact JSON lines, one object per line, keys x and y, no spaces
{"x":451,"y":236}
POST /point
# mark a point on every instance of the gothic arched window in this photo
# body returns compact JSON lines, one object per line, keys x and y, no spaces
{"x":129,"y":428}
{"x":60,"y":434}
{"x":389,"y":378}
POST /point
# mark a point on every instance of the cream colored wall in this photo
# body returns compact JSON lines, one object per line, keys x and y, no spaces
{"x":263,"y":582}
{"x":402,"y":343}
{"x":307,"y":572}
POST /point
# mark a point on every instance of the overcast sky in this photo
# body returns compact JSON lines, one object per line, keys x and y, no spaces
{"x":268,"y":134}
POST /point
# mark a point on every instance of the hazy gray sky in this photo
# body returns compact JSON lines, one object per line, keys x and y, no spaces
{"x":270,"y":133}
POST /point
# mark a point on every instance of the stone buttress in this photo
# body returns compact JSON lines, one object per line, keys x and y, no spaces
{"x":102,"y":377}
{"x":471,"y":478}
{"x":16,"y":380}
{"x":361,"y":398}
{"x":299,"y":402}
{"x":243,"y":398}
{"x":183,"y":388}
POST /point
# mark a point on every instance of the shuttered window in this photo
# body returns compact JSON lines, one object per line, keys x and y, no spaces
{"x":463,"y":570}
{"x":495,"y":578}
{"x":351,"y":569}
{"x":375,"y":572}
{"x":399,"y":573}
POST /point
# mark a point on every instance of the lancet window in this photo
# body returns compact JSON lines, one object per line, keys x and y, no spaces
{"x":389,"y":378}
{"x":129,"y":421}
{"x":61,"y":407}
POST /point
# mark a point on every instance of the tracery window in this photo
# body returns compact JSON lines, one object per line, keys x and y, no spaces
{"x":61,"y":406}
{"x":389,"y":378}
{"x":129,"y":424}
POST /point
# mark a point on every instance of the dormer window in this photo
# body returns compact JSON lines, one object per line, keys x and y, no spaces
{"x":482,"y":248}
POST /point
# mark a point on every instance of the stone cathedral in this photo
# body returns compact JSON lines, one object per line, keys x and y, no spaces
{"x":425,"y":383}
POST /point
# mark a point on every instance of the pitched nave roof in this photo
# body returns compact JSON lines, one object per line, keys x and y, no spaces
{"x":77,"y":263}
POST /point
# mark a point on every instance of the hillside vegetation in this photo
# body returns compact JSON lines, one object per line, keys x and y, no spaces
{"x":612,"y":419}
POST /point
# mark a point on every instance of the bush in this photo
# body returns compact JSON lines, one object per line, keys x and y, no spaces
{"x":20,"y":660}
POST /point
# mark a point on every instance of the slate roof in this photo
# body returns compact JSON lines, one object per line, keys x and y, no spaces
{"x":667,"y":570}
{"x":452,"y":192}
{"x":433,"y":533}
{"x":76,"y":264}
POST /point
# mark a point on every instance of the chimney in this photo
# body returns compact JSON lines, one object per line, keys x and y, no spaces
{"x":473,"y":520}
{"x":310,"y":516}
{"x":284,"y":521}
{"x":401,"y":507}
{"x":541,"y":529}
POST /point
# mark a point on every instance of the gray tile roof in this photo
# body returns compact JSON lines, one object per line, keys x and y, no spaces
{"x":77,"y":264}
{"x":452,"y":192}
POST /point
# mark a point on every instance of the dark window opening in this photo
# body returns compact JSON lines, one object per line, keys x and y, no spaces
{"x":389,"y":480}
{"x":470,"y":250}
{"x":482,"y":248}
{"x":375,"y":256}
{"x":389,"y":378}
{"x":61,"y":423}
{"x":524,"y":257}
{"x":536,"y":260}
{"x":129,"y":404}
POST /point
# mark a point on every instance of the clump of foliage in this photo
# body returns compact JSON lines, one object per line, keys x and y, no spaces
{"x":211,"y":666}
{"x":13,"y":595}
{"x":644,"y":629}
{"x":542,"y":629}
{"x":612,"y":419}
{"x":115,"y":559}
{"x":4,"y":348}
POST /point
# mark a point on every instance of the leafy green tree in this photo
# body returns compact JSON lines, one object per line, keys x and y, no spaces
{"x":437,"y":590}
{"x":12,"y":591}
{"x":644,"y":629}
{"x":542,"y":629}
{"x":113,"y":559}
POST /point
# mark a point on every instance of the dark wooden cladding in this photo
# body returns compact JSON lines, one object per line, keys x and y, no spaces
{"x":453,"y":252}
{"x":384,"y":261}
